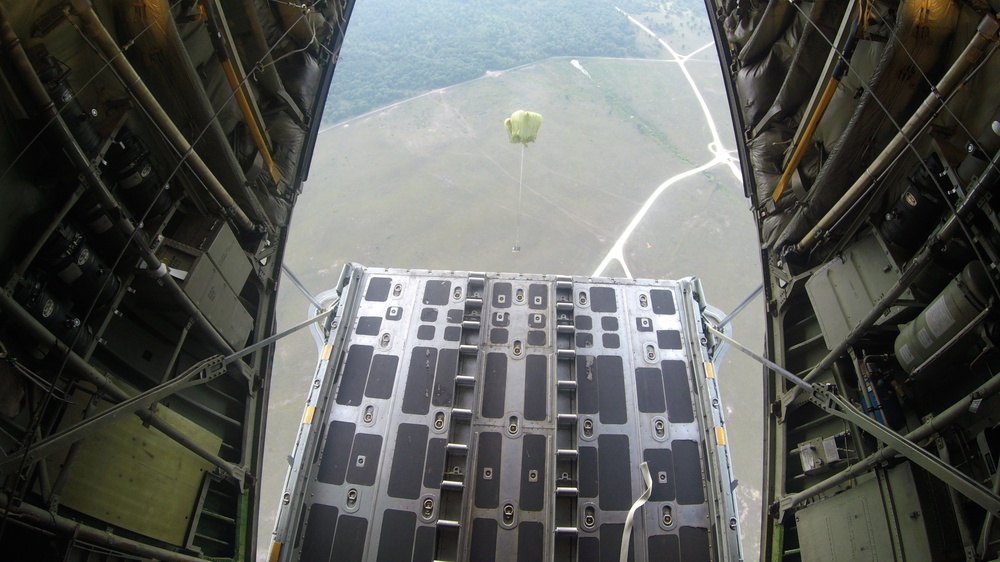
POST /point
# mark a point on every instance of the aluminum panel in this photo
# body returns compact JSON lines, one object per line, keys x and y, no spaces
{"x":490,"y":416}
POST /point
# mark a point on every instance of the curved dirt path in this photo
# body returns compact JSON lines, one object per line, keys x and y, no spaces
{"x":720,"y":155}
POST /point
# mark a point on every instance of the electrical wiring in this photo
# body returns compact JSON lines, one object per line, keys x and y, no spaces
{"x":52,"y":390}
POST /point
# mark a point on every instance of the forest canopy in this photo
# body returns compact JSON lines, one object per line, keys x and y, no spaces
{"x":396,"y":49}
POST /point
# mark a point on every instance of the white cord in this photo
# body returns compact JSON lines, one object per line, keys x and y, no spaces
{"x":520,"y":183}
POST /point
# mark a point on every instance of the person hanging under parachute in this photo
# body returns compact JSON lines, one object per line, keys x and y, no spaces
{"x":522,"y":127}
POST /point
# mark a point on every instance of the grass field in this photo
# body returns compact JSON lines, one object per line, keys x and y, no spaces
{"x":432,"y":183}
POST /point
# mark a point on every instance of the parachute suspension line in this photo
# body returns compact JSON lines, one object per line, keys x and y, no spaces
{"x":520,"y":183}
{"x":522,"y":127}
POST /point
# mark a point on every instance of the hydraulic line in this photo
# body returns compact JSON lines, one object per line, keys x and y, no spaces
{"x":94,"y":181}
{"x":225,"y":59}
{"x":93,"y":27}
{"x":37,"y":516}
{"x":930,"y":427}
{"x":265,"y":71}
{"x":829,"y":401}
{"x":817,"y":115}
{"x":106,"y":386}
{"x":923,"y":258}
{"x":200,"y":373}
{"x":951,"y":81}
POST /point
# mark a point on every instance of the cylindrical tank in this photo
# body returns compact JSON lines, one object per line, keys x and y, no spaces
{"x":52,"y":312}
{"x":981,"y":151}
{"x":916,"y":212}
{"x":54,"y":76}
{"x":951,"y":311}
{"x":90,"y":212}
{"x":138,"y":184}
{"x":67,"y":255}
{"x":101,"y":231}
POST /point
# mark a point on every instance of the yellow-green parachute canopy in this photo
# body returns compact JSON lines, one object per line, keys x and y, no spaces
{"x":522,"y":126}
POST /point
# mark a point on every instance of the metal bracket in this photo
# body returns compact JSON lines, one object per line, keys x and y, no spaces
{"x":824,"y":397}
{"x":198,"y":374}
{"x":948,"y":474}
{"x":959,"y":481}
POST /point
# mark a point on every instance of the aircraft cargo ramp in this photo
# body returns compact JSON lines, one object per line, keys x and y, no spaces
{"x":470,"y":416}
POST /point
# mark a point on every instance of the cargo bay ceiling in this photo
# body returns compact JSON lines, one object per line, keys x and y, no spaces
{"x":151,"y":153}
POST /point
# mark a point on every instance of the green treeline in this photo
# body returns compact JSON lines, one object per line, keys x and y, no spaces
{"x":396,"y":49}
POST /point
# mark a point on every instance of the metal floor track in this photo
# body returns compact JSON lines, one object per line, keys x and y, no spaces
{"x":465,"y":416}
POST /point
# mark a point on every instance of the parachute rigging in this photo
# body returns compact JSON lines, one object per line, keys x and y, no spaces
{"x":522,"y":127}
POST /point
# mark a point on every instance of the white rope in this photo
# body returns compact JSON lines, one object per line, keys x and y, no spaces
{"x":520,"y":182}
{"x":627,"y":532}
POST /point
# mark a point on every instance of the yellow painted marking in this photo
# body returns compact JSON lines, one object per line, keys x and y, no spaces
{"x":720,"y":435}
{"x":326,"y":351}
{"x":275,"y":551}
{"x":709,"y":370}
{"x":310,"y":412}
